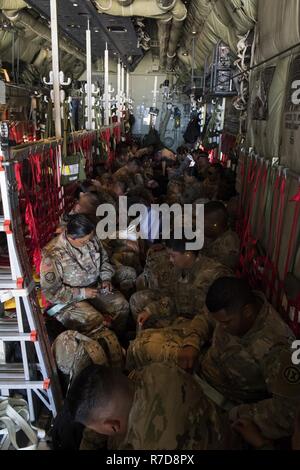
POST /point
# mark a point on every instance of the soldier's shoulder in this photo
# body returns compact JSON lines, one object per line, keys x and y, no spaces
{"x":53,"y":248}
{"x":273,"y":335}
{"x":275,"y":324}
{"x":231,"y":238}
{"x":206,"y":263}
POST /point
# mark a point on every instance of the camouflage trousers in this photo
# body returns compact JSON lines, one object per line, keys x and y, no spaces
{"x":87,"y":316}
{"x":125,"y":278}
{"x":166,"y":309}
{"x":156,"y":345}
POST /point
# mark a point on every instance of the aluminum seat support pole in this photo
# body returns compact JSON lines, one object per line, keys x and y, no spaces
{"x":119,"y":92}
{"x":106,"y":87}
{"x":89,"y":122}
{"x":128,"y":87}
{"x":55,"y":68}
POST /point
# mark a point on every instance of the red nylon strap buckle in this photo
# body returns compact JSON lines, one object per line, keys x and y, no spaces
{"x":7,"y":227}
{"x":46,"y":384}
{"x":1,"y":166}
{"x":33,"y":336}
{"x":20,"y":283}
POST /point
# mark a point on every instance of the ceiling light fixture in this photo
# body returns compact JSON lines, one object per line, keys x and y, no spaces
{"x":117,"y":29}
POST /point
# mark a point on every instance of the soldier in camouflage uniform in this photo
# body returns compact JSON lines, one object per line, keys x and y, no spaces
{"x":157,"y":271}
{"x":221,"y":243}
{"x":178,"y":290}
{"x":141,"y":414}
{"x":175,"y":191}
{"x":74,"y":269}
{"x":129,"y":173}
{"x":212,"y":183}
{"x":192,"y":187}
{"x":242,"y":352}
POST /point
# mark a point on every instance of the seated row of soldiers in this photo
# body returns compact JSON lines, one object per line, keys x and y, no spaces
{"x":164,"y":348}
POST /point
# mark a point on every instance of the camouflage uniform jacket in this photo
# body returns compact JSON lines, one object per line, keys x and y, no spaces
{"x":224,"y":249}
{"x":170,"y":412}
{"x":254,"y":371}
{"x":187,"y":289}
{"x":66,"y":271}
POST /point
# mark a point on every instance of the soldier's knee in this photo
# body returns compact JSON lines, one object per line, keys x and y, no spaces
{"x":120,"y":307}
{"x":141,"y":283}
{"x":134,"y":302}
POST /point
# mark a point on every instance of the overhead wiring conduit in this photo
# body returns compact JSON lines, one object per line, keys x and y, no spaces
{"x":14,"y":11}
{"x":173,"y":11}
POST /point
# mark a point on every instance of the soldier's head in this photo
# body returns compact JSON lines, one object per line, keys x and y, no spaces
{"x":180,"y":257}
{"x":215,"y":172}
{"x":133,"y":166}
{"x":215,"y":219}
{"x":106,"y":181}
{"x":174,"y":191}
{"x":203,"y":164}
{"x":119,"y":187}
{"x":101,"y":398}
{"x":84,"y":187}
{"x":232,"y":304}
{"x":182,"y":152}
{"x":134,"y":148}
{"x":190,"y":176}
{"x":80,"y":230}
{"x":87,"y":204}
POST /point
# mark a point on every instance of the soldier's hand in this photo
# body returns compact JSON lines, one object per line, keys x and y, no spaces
{"x":250,"y":433}
{"x":91,"y":293}
{"x":60,"y":229}
{"x":143,"y":317}
{"x":107,"y":285}
{"x":187,"y":357}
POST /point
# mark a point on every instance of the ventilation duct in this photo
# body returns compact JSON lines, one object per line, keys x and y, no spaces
{"x":173,"y":11}
{"x":25,"y":20}
{"x":163,"y":36}
{"x":12,"y":5}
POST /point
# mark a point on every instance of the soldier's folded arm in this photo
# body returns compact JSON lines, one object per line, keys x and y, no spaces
{"x":106,"y":269}
{"x":52,"y":284}
{"x":275,"y":416}
{"x":199,"y":331}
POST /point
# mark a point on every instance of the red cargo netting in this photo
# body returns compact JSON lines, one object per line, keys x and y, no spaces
{"x":40,"y":199}
{"x":266,"y":189}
